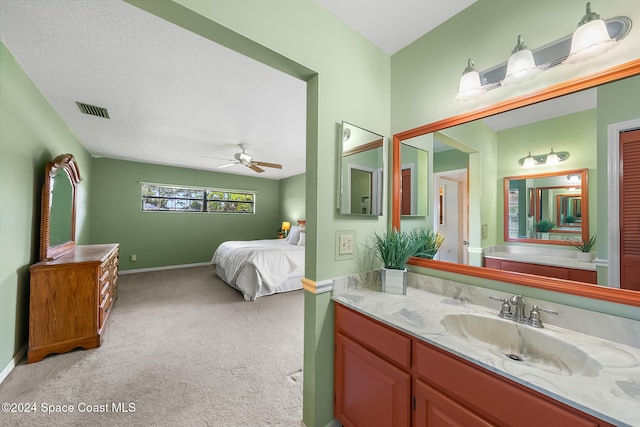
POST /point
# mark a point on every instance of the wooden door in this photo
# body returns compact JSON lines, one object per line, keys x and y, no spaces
{"x":630,"y":210}
{"x":434,"y":409}
{"x":406,"y":192}
{"x":369,"y":391}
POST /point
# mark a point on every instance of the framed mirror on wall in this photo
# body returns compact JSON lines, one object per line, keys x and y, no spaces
{"x":559,"y":198}
{"x":625,"y":77}
{"x":361,"y":165}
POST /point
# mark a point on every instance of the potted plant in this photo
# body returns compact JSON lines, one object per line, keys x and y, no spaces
{"x":544,"y":227}
{"x":430,"y":242}
{"x":394,"y":248}
{"x":584,"y":248}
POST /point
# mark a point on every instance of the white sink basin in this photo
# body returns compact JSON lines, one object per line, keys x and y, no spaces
{"x":522,"y":344}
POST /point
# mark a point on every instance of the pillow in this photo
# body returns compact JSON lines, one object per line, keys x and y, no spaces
{"x":294,"y":235}
{"x":302,"y":238}
{"x":293,"y":227}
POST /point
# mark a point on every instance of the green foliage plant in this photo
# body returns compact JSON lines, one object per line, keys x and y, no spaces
{"x":585,"y":246}
{"x":394,"y":248}
{"x":545,"y":225}
{"x":430,"y":242}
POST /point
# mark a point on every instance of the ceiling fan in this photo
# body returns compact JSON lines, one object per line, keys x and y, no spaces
{"x":246,"y":159}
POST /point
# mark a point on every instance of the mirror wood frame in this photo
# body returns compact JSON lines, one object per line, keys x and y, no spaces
{"x":584,"y":196}
{"x":67,"y":163}
{"x":617,"y":295}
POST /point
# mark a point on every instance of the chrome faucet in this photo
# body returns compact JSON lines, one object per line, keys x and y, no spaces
{"x":518,"y":315}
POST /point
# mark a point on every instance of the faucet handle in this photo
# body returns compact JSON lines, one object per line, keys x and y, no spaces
{"x":505,"y":309}
{"x":534,"y":316}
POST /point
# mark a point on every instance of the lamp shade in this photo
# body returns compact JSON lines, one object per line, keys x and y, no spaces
{"x":521,"y":65}
{"x":470,"y":86}
{"x":590,"y":40}
{"x":286,"y":226}
{"x":552,"y":159}
{"x":529,"y":161}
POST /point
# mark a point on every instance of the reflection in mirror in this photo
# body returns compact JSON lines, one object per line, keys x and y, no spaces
{"x":361,"y":171}
{"x":57,"y":229}
{"x":415,"y":179}
{"x":611,"y":108}
{"x":554,"y":197}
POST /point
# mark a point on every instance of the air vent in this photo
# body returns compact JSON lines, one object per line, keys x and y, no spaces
{"x":92,"y":110}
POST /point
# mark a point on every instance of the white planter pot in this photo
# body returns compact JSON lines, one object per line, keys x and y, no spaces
{"x":394,"y":281}
{"x":584,"y":256}
{"x":544,"y":236}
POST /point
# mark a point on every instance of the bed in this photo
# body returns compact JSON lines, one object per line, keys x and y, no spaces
{"x":262,"y":267}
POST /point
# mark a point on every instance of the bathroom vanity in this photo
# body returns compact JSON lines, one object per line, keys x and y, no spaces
{"x":433,"y":359}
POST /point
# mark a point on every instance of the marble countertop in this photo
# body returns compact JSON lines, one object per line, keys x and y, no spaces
{"x":553,"y":257}
{"x":611,"y":393}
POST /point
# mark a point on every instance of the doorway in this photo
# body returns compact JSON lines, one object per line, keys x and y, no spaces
{"x":451,"y":214}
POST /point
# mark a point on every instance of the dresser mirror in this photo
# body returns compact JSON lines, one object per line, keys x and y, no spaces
{"x":57,"y":228}
{"x":477,"y":225}
{"x":558,"y":197}
{"x":361,"y":171}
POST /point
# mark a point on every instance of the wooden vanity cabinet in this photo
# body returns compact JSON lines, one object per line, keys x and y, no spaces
{"x":575,"y":274}
{"x":70,"y":300}
{"x":384,"y":377}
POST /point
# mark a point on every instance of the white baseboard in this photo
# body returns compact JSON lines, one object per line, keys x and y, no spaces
{"x":167,"y":267}
{"x":12,"y":364}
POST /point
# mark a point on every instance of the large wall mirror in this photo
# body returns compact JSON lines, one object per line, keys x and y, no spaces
{"x":361,"y":171}
{"x":559,"y":198}
{"x":488,"y":196}
{"x":57,"y":229}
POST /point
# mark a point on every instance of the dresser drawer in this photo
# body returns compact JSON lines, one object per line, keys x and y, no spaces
{"x":393,"y":345}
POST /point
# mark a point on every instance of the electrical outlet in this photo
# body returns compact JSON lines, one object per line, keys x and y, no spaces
{"x":346,"y":244}
{"x":134,"y":258}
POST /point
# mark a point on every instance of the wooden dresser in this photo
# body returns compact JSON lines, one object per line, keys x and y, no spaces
{"x":70,"y":300}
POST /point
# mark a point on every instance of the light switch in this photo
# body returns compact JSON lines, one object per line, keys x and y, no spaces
{"x":346,"y":244}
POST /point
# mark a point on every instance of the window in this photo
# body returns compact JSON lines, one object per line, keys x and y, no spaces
{"x":174,"y":198}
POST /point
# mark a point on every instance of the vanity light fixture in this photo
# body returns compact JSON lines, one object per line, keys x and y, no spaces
{"x":548,"y":159}
{"x":590,"y":39}
{"x":570,"y":48}
{"x":470,"y":86}
{"x":521,"y":65}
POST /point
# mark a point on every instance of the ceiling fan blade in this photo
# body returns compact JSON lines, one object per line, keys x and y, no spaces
{"x":269,"y":165}
{"x":228,"y":164}
{"x":218,"y":158}
{"x":255,"y":168}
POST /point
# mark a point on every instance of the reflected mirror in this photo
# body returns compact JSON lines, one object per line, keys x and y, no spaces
{"x":361,"y":171}
{"x":554,"y":197}
{"x":57,"y":230}
{"x":612,"y":108}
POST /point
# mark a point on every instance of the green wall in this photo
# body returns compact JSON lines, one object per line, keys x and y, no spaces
{"x":31,"y":134}
{"x":173,"y":238}
{"x":450,"y":160}
{"x":292,"y":198}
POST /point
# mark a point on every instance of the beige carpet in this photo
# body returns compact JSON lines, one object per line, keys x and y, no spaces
{"x":182,"y":349}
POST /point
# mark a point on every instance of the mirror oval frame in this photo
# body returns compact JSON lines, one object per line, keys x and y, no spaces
{"x":622,"y":296}
{"x":67,"y":164}
{"x":584,"y":195}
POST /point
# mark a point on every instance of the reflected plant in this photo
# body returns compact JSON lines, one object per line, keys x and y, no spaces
{"x":430,"y":242}
{"x":585,"y":246}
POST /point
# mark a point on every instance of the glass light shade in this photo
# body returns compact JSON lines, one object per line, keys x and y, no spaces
{"x":529,"y":162}
{"x":520,"y":67}
{"x":552,"y":159}
{"x":470,"y":86}
{"x":590,"y":40}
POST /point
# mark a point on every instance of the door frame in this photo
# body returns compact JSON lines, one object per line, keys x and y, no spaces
{"x":463,"y":208}
{"x":613,"y":211}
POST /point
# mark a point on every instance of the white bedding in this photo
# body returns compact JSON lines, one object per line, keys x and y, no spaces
{"x":260,"y":267}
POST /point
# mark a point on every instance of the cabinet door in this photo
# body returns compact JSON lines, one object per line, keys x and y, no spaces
{"x":370,"y":391}
{"x":434,"y":409}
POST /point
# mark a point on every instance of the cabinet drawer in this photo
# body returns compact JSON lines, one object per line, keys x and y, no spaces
{"x":379,"y":338}
{"x":500,"y":400}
